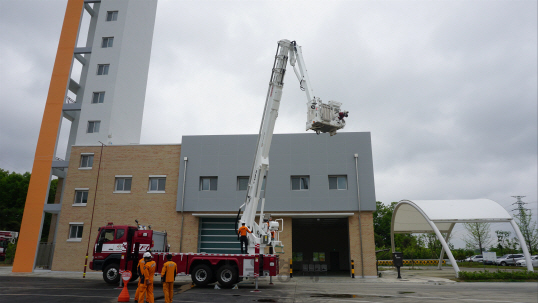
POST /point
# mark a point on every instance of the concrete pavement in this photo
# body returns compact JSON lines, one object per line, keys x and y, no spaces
{"x":416,"y":286}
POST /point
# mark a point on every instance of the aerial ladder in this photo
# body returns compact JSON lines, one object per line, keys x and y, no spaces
{"x":321,"y":118}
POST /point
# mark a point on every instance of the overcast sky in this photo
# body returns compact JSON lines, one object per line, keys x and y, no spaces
{"x":448,"y":89}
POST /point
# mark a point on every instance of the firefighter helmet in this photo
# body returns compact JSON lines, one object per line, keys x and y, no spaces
{"x":147,"y":255}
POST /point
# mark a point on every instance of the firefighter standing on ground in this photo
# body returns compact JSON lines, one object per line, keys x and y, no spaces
{"x":148,"y":272}
{"x":139,"y":271}
{"x":243,"y":232}
{"x":168,"y":276}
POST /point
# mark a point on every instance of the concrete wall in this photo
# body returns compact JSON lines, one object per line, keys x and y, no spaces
{"x":125,"y":84}
{"x":228,"y":157}
{"x":157,"y":210}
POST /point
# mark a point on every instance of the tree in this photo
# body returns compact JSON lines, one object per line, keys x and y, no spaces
{"x":478,"y":236}
{"x":13,"y":189}
{"x":382,"y":221}
{"x":528,"y":229}
{"x":503,"y":238}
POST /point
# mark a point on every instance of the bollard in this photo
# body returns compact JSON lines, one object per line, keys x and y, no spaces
{"x":124,"y":295}
{"x":291,"y":268}
{"x":352,"y":269}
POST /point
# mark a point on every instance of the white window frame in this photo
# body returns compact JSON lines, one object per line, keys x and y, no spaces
{"x":102,"y":69}
{"x":73,"y":224}
{"x":95,"y":128}
{"x":156,"y":177}
{"x":117,"y":177}
{"x":300,"y":183}
{"x":210,"y":188}
{"x":111,"y":16}
{"x":100,"y":97}
{"x":107,"y":42}
{"x":82,"y":155}
{"x":77,"y":190}
{"x":337,"y":182}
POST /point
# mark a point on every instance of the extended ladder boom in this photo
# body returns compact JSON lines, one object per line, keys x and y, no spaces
{"x":321,"y":118}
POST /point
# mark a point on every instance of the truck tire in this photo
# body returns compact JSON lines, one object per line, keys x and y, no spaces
{"x":227,"y":276}
{"x":202,"y":275}
{"x":111,"y":274}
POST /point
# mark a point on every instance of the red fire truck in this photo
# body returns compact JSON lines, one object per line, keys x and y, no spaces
{"x":6,"y":237}
{"x":119,"y":247}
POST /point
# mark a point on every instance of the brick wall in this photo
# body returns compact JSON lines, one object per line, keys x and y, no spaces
{"x":155,"y":209}
{"x":367,"y":226}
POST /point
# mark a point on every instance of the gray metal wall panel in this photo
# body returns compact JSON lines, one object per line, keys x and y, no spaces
{"x":230,"y":156}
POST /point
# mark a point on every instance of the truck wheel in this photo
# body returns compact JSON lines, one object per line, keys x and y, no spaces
{"x":227,"y":276}
{"x":111,"y":274}
{"x":202,"y":275}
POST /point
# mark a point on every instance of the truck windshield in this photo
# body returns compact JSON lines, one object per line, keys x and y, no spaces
{"x":106,"y":235}
{"x":120,"y":233}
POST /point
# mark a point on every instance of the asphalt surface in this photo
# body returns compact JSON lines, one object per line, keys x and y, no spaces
{"x":70,"y":287}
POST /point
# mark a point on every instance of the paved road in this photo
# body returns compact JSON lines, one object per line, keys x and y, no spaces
{"x":32,"y":289}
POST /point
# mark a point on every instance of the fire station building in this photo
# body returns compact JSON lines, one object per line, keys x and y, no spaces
{"x":316,"y":188}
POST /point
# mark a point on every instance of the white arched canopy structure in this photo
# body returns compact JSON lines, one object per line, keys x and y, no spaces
{"x":440,"y":216}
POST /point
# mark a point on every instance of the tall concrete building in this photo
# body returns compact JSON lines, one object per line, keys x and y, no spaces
{"x":104,"y":103}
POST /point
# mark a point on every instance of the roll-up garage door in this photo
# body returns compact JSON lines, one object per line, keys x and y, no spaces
{"x":217,"y":236}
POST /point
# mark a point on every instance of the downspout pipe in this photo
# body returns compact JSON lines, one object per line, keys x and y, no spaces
{"x":359,"y":201}
{"x":185,"y":159}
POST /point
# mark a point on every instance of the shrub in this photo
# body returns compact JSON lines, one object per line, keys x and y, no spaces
{"x":498,"y":275}
{"x":10,"y":253}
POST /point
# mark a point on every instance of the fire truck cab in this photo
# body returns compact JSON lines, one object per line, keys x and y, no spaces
{"x":113,"y":239}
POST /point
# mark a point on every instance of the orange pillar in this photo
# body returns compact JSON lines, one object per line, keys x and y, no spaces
{"x":46,"y":143}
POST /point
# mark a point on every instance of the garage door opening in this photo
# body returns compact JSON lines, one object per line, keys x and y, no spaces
{"x":320,"y":244}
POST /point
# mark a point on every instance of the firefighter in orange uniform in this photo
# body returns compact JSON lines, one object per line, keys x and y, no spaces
{"x":139,"y":270}
{"x":243,"y":232}
{"x":168,"y":276}
{"x":149,"y":272}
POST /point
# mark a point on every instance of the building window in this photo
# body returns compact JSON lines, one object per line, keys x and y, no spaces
{"x":75,"y":231}
{"x":242,"y":183}
{"x":208,"y":183}
{"x":102,"y":69}
{"x":112,"y":16}
{"x":98,"y":97}
{"x":81,"y":197}
{"x":86,"y":161}
{"x":300,"y":183}
{"x":157,"y":184}
{"x":107,"y":42}
{"x":338,"y":182}
{"x":93,"y":126}
{"x":123,"y":184}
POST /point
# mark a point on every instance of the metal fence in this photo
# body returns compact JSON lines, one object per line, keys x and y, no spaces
{"x":44,"y":255}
